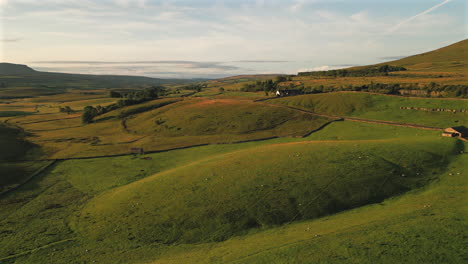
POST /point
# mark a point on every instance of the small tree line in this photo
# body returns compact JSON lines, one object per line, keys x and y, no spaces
{"x":425,"y":90}
{"x":361,"y":72}
{"x":131,"y":98}
{"x":267,"y":86}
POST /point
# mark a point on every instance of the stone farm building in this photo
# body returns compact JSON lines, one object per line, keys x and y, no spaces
{"x":288,"y":92}
{"x":459,"y":132}
{"x":137,"y":151}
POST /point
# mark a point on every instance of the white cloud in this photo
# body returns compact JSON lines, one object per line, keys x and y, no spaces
{"x":361,"y":17}
{"x":297,"y":6}
{"x":319,"y":68}
{"x":128,"y":3}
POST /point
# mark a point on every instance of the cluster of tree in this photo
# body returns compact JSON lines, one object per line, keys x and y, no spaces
{"x":267,"y":86}
{"x":131,"y":98}
{"x":65,"y":109}
{"x":141,"y":95}
{"x":195,"y":87}
{"x":368,"y":71}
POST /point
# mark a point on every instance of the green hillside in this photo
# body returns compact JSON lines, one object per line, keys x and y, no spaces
{"x":453,"y":57}
{"x":423,"y":226}
{"x":260,"y":188}
{"x":90,"y":210}
{"x":382,"y":107}
{"x":223,"y":117}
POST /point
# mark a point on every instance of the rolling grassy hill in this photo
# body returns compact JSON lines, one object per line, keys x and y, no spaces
{"x":80,"y":209}
{"x":214,"y":199}
{"x":221,"y":117}
{"x":165,"y":124}
{"x":423,"y":226}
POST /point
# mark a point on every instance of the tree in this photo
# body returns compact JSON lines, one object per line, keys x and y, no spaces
{"x":221,"y":89}
{"x":88,"y":114}
{"x":281,"y":79}
{"x":114,"y":94}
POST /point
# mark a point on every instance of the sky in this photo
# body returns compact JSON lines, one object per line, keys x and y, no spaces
{"x":218,"y":38}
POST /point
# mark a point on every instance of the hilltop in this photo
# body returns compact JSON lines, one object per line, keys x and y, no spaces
{"x":15,"y":69}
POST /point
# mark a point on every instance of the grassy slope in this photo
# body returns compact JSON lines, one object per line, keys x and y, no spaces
{"x":423,"y":226}
{"x":451,"y":58}
{"x":381,"y":107}
{"x":187,"y":123}
{"x":14,"y":147}
{"x":220,"y":117}
{"x":39,"y":212}
{"x":259,"y":188}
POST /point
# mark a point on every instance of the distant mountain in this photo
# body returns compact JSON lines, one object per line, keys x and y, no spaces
{"x":15,"y":69}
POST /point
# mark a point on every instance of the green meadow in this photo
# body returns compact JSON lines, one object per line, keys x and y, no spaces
{"x":382,"y":107}
{"x":89,"y":217}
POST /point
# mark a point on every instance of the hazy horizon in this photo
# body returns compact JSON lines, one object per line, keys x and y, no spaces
{"x":212,"y":39}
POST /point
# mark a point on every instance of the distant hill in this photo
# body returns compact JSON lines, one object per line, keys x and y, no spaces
{"x":13,"y":69}
{"x":29,"y":82}
{"x":451,"y":58}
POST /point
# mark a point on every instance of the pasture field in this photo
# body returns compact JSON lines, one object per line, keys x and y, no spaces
{"x":381,"y":107}
{"x":71,"y":189}
{"x":172,"y":124}
{"x":423,"y":226}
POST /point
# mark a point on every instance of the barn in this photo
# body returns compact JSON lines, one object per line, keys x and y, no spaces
{"x":288,"y":92}
{"x":459,"y":132}
{"x":137,"y":151}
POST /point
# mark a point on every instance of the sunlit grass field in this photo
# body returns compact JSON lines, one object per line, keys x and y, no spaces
{"x":381,"y":107}
{"x":198,"y":173}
